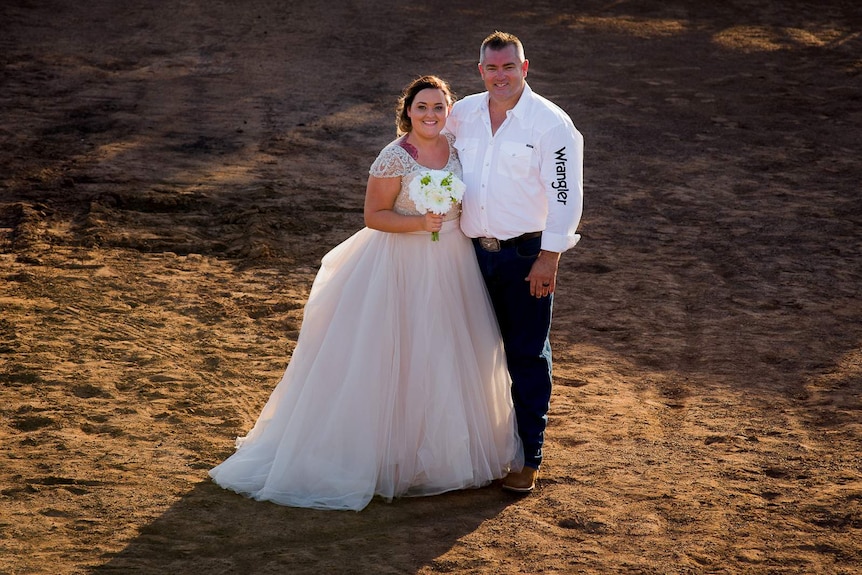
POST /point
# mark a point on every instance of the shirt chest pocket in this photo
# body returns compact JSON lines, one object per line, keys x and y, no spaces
{"x":467,"y":148}
{"x":515,"y":159}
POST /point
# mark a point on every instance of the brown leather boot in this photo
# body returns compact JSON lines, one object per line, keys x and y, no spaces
{"x":522,"y":481}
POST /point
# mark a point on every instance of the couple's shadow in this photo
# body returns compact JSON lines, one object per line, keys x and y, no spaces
{"x":210,"y":530}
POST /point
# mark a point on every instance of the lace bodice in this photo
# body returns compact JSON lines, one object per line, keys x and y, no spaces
{"x":394,"y":161}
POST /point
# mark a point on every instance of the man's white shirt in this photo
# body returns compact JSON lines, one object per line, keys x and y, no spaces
{"x":527,"y":177}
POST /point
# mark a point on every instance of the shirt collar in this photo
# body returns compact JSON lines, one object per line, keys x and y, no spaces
{"x":520,"y":109}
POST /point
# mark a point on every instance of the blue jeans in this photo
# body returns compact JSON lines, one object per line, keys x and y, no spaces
{"x":525,"y":322}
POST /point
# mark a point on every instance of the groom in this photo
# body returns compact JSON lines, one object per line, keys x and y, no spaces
{"x":523,"y":166}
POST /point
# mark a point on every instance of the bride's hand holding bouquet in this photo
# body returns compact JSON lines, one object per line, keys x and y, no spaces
{"x":432,"y":222}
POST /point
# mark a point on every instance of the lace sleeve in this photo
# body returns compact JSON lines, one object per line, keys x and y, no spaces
{"x":390,"y":163}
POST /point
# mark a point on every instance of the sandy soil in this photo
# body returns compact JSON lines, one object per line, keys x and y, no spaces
{"x":172,"y":173}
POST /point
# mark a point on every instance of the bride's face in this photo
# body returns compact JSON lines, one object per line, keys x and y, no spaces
{"x":428,"y":112}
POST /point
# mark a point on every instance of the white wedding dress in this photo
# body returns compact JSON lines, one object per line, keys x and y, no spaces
{"x":398,"y":384}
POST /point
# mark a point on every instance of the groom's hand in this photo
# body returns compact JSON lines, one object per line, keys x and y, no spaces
{"x":543,"y":274}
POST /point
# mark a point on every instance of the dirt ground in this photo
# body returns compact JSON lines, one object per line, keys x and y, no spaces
{"x":172,"y":172}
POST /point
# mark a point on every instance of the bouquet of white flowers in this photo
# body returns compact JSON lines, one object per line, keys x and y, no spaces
{"x":435,"y":191}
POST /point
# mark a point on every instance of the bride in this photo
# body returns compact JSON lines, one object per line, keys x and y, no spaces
{"x":398,"y":384}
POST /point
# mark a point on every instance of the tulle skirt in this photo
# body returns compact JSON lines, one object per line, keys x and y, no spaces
{"x":397,"y":386}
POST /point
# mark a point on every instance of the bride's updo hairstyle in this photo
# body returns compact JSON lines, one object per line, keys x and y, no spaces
{"x":402,"y":120}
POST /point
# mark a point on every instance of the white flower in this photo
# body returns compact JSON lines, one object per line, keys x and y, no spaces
{"x":435,"y":191}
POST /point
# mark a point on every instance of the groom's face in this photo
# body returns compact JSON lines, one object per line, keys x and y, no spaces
{"x":504,"y":73}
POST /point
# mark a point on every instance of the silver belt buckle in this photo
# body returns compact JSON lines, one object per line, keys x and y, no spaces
{"x":490,"y":244}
